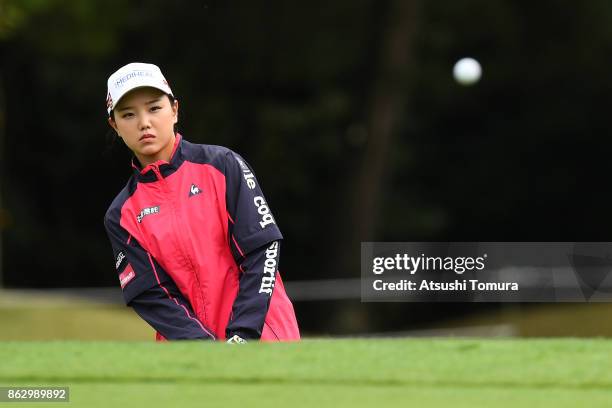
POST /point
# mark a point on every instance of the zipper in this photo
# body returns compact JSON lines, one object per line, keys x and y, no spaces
{"x":175,"y":216}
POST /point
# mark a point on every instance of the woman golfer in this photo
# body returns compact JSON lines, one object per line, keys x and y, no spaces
{"x":195,"y":244}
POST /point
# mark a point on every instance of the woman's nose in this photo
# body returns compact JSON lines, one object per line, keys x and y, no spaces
{"x":143,"y":122}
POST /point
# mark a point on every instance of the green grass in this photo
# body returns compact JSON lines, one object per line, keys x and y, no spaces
{"x":40,"y":315}
{"x":315,"y":373}
{"x":68,"y":322}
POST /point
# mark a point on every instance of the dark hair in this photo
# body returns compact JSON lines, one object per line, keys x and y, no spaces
{"x":170,"y":98}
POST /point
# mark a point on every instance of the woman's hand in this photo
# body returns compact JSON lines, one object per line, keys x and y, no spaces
{"x":236,"y":339}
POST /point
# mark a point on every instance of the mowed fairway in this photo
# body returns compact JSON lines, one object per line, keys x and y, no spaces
{"x":314,"y":373}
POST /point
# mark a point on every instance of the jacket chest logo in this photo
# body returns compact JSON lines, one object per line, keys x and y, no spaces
{"x":147,"y":211}
{"x":193,"y":190}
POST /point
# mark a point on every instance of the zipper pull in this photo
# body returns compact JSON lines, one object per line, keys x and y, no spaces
{"x":156,"y":171}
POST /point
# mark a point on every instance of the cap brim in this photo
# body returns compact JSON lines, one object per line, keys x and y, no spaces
{"x":164,"y":91}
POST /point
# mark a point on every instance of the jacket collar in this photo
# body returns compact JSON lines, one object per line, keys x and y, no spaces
{"x":147,"y":174}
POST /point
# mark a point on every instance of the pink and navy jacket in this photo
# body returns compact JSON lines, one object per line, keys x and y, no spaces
{"x":197,"y":248}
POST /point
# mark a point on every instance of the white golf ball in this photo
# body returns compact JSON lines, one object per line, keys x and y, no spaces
{"x":467,"y":71}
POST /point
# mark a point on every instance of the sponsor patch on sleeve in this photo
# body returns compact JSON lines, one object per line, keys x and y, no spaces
{"x":126,"y":276}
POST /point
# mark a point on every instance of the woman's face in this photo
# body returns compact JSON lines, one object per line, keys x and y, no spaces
{"x":144,"y":118}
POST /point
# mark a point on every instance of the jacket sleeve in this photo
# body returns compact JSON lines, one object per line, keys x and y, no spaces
{"x":251,"y":223}
{"x":255,"y":244}
{"x":150,"y":291}
{"x":256,"y":285}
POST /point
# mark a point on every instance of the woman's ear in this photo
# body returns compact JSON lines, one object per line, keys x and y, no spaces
{"x":175,"y":107}
{"x":113,"y":124}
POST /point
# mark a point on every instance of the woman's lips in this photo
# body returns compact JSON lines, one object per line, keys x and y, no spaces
{"x":147,"y":136}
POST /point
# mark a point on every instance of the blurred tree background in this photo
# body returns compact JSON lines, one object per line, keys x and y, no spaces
{"x":347,"y":110}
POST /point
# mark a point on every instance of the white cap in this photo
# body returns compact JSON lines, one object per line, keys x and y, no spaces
{"x":132,"y":76}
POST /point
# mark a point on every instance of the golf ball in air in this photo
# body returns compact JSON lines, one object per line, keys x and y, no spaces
{"x":467,"y":71}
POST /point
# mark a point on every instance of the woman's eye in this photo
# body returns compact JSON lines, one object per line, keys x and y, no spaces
{"x":154,"y":108}
{"x":127,"y":115}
